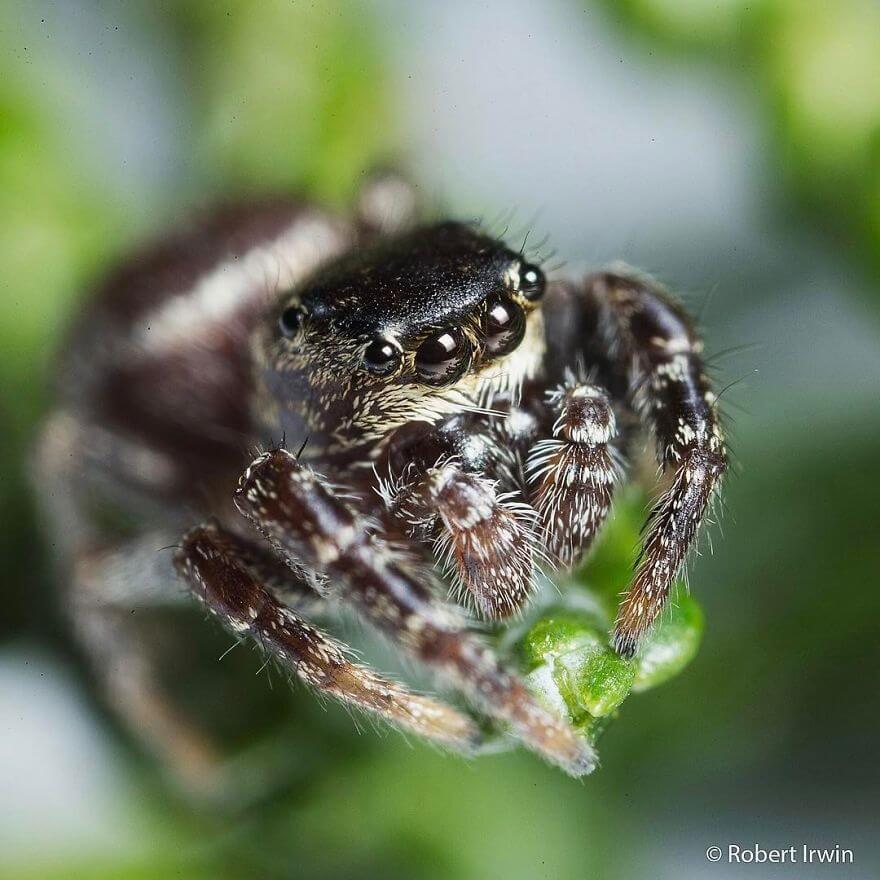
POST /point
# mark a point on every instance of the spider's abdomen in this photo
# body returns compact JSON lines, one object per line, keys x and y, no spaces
{"x":161,"y":357}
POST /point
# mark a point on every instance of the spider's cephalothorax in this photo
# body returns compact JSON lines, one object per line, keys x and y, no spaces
{"x":478,"y":417}
{"x":417,"y":327}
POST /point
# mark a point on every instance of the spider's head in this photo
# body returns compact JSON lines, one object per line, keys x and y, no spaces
{"x":413,"y":328}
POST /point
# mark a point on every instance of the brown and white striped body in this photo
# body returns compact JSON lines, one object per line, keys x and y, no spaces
{"x":457,"y":418}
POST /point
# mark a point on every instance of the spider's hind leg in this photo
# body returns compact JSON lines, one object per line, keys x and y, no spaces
{"x":128,"y":609}
{"x":112,"y":584}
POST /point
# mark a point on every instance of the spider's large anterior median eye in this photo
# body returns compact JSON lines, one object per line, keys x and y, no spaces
{"x":289,"y":321}
{"x":381,"y":357}
{"x":505,"y":325}
{"x":531,"y":282}
{"x":442,"y":356}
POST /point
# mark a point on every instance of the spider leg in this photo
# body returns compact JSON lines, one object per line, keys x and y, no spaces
{"x":572,"y":474}
{"x":300,"y":516}
{"x":387,"y":203}
{"x":125,"y":660}
{"x":482,"y":539}
{"x":105,"y":580}
{"x":212,"y":561}
{"x":114,"y":584}
{"x":650,"y":340}
{"x":293,"y":587}
{"x":485,"y":541}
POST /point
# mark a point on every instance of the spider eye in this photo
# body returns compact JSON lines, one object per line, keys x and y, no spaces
{"x":289,"y":321}
{"x":381,"y":357}
{"x":505,"y":326}
{"x":442,"y":357}
{"x":531,"y":282}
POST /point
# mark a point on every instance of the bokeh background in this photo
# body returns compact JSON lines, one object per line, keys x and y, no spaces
{"x":730,"y":147}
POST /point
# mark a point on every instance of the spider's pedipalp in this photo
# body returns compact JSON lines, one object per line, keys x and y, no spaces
{"x":210,"y":561}
{"x":572,"y":474}
{"x":448,"y":494}
{"x":300,"y":516}
{"x":484,"y":542}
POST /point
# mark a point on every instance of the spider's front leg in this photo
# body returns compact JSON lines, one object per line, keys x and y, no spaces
{"x":630,"y":326}
{"x":442,"y":485}
{"x":217,"y":566}
{"x":299,"y":514}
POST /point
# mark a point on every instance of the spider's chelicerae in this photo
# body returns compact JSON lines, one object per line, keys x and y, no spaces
{"x":458,"y":414}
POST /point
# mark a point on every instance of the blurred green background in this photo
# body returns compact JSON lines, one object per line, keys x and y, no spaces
{"x":733,"y":148}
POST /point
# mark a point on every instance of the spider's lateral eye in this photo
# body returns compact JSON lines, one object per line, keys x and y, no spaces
{"x":441,"y":356}
{"x":289,"y":321}
{"x":505,"y":325}
{"x":531,"y":282}
{"x":381,"y":357}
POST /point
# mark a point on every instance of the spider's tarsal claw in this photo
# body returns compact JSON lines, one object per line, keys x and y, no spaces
{"x":554,"y":739}
{"x":502,"y":695}
{"x":625,"y":644}
{"x":671,"y":533}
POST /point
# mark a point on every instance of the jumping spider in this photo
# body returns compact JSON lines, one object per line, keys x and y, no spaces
{"x":477,"y":415}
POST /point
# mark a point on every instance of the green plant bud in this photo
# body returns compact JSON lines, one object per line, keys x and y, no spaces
{"x":593,"y":728}
{"x":594,"y":679}
{"x":572,"y":669}
{"x":671,"y":646}
{"x":543,"y":685}
{"x":559,"y":632}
